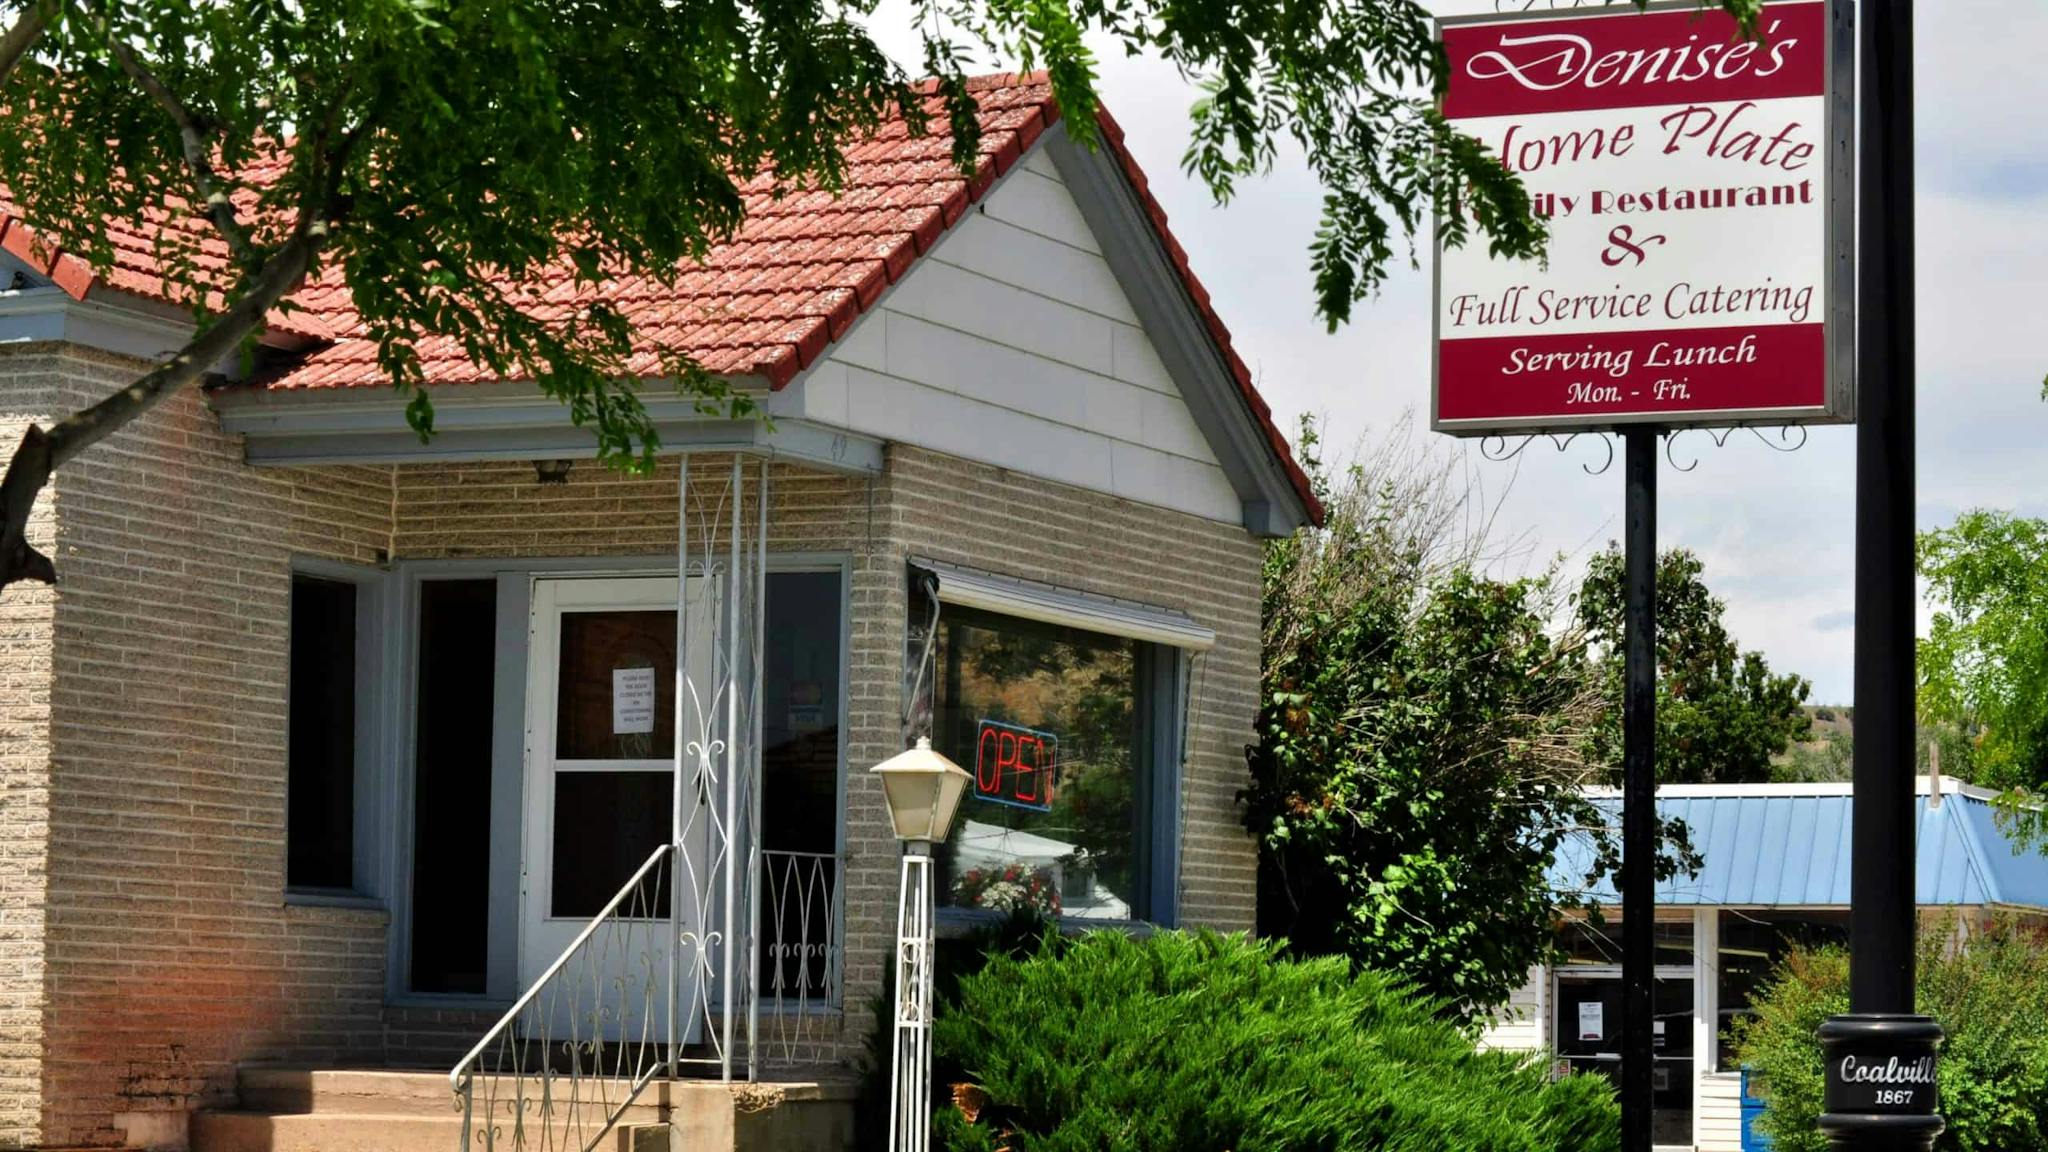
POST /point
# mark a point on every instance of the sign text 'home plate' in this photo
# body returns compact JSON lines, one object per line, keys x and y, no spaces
{"x":1696,"y":188}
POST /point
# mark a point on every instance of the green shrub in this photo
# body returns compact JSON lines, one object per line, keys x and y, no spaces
{"x":954,"y":958}
{"x":1186,"y":1042}
{"x":1991,"y":998}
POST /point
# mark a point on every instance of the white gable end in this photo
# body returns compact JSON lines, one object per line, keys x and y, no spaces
{"x":1013,"y":344}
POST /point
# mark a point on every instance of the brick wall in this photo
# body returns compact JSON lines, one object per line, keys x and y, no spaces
{"x":946,"y":508}
{"x":31,"y":376}
{"x":171,"y":953}
{"x":145,"y":946}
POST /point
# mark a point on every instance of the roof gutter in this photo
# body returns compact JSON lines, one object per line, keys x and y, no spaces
{"x":504,"y":422}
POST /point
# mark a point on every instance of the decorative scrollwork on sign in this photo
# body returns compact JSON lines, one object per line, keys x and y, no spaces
{"x":1790,"y":438}
{"x":1500,"y":449}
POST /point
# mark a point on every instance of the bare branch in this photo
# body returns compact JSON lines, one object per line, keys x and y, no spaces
{"x":41,"y":453}
{"x":195,"y":138}
{"x":279,"y":275}
{"x":27,"y":29}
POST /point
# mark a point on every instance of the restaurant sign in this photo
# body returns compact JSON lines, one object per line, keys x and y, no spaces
{"x":1698,"y":188}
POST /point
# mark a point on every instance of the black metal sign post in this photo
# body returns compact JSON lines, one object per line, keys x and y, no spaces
{"x":1639,"y":793}
{"x":1880,"y":1059}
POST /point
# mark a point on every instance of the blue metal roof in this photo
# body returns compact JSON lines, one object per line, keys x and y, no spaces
{"x":1788,"y":846}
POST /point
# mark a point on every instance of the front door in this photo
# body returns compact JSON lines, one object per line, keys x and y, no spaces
{"x":600,"y":779}
{"x":1588,"y":1032}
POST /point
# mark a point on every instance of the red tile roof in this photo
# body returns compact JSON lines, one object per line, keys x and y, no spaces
{"x":767,"y":304}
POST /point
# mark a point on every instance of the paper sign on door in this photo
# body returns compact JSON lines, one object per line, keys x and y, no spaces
{"x":1592,"y":1020}
{"x":632,"y":701}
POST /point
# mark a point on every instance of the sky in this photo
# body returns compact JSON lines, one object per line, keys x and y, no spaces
{"x":1776,"y":530}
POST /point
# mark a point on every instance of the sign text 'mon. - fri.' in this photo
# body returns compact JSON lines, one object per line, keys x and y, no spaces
{"x":1696,"y":190}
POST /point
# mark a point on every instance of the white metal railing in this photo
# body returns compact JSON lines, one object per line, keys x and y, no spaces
{"x":561,"y":1067}
{"x":800,"y":954}
{"x":671,"y":975}
{"x":673,"y":960}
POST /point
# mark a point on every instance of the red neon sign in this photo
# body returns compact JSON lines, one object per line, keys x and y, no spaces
{"x":1014,"y":765}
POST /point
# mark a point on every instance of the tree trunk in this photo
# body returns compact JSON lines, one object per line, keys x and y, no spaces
{"x":27,"y":29}
{"x":42,"y":453}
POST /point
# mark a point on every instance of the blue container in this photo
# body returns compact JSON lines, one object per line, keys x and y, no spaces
{"x":1752,"y":1109}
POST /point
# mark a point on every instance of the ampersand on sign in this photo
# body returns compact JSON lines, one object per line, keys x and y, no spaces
{"x":1621,"y":244}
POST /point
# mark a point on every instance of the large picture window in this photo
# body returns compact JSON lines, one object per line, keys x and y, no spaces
{"x":1057,"y":725}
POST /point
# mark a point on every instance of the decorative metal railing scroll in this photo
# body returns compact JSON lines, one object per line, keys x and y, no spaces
{"x":801,"y":954}
{"x":573,"y":1053}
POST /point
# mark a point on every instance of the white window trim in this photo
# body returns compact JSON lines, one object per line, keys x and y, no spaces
{"x":1049,"y":604}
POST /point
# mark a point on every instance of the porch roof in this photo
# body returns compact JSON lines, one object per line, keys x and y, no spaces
{"x":1788,"y":846}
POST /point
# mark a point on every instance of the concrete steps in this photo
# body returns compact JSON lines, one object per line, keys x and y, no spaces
{"x":315,"y":1132}
{"x":352,"y":1110}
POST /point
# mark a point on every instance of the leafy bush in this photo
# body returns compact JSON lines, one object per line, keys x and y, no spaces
{"x":1421,"y":728}
{"x":1203,"y":1043}
{"x":1991,"y":997}
{"x":954,"y":958}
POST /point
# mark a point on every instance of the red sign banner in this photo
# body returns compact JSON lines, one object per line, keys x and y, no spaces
{"x":1578,"y":63}
{"x":1697,"y":190}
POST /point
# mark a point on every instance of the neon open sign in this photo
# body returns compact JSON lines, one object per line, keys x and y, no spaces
{"x":1014,"y":765}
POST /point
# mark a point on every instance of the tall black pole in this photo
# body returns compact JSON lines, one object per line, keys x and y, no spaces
{"x":1639,"y":794}
{"x":1867,"y":1111}
{"x":1881,"y":879}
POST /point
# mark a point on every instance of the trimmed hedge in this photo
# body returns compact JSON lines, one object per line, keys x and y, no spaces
{"x":1991,"y":997}
{"x":1193,"y":1042}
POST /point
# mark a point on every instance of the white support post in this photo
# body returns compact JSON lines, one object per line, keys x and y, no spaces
{"x":675,"y":865}
{"x":728,"y":940}
{"x":756,"y":664}
{"x":910,"y":1073}
{"x":1706,"y":997}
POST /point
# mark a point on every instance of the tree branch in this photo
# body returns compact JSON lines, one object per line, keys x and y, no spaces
{"x":27,"y":29}
{"x":41,"y":453}
{"x":194,"y":136}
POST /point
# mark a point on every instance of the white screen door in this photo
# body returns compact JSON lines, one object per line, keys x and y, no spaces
{"x":600,"y":773}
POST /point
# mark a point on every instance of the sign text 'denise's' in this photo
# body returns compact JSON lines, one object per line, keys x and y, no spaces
{"x":1686,"y":178}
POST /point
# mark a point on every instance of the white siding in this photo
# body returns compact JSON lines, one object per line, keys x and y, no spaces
{"x":1521,"y":1026}
{"x":1717,"y":1125}
{"x":1012,"y":344}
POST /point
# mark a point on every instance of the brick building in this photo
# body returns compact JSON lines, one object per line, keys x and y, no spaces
{"x":329,"y":743}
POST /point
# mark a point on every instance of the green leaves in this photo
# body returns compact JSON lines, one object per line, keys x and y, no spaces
{"x":1991,"y":997}
{"x":452,"y":159}
{"x":1191,"y":1042}
{"x":1984,"y":661}
{"x":1420,"y":743}
{"x":1723,"y":716}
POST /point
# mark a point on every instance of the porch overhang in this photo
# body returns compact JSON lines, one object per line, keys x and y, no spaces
{"x":504,"y":422}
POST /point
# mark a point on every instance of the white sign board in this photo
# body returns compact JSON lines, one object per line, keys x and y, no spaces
{"x":632,"y":701}
{"x":1592,"y":1020}
{"x":1698,"y":192}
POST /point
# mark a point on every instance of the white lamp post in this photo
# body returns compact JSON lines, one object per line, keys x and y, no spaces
{"x":923,"y":789}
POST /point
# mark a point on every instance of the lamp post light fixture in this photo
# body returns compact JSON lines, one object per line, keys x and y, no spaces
{"x":923,"y":790}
